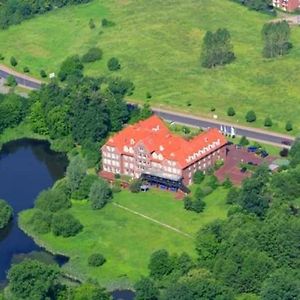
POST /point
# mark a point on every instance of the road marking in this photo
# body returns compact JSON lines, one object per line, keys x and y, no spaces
{"x":153,"y":220}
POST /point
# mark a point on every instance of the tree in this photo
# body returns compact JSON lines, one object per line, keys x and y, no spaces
{"x":227,"y":183}
{"x":6,"y":213}
{"x":213,"y":182}
{"x":295,"y":152}
{"x":289,"y":126}
{"x":88,"y":291}
{"x":198,"y":177}
{"x":85,"y":187}
{"x":41,"y":221}
{"x":32,"y":279}
{"x":100,"y":194}
{"x":37,"y":119}
{"x":283,"y":284}
{"x":160,"y":264}
{"x":276,"y":37}
{"x":217,"y":49}
{"x":11,"y":81}
{"x":66,"y":225}
{"x":71,"y":67}
{"x":57,"y":122}
{"x":13,"y":61}
{"x":76,"y":171}
{"x":92,"y":55}
{"x":198,"y":205}
{"x":244,"y":141}
{"x":230,"y":112}
{"x":96,"y":260}
{"x":52,"y":200}
{"x":113,"y":64}
{"x":146,"y":290}
{"x":250,"y":116}
{"x":232,"y":196}
{"x":268,"y":122}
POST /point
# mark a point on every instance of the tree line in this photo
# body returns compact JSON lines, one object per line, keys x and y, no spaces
{"x":258,"y":5}
{"x":254,"y":252}
{"x":15,"y":11}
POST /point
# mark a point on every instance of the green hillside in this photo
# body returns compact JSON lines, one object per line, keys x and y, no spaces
{"x":158,"y":44}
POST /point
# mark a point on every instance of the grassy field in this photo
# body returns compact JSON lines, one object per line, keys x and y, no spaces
{"x":159,"y":44}
{"x":126,"y":239}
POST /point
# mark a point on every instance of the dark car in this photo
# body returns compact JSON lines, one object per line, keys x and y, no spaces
{"x":243,"y":169}
{"x":286,"y":142}
{"x":264,"y":154}
{"x":252,"y":149}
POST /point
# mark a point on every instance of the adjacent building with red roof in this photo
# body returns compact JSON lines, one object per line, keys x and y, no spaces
{"x":287,"y":5}
{"x":148,"y":149}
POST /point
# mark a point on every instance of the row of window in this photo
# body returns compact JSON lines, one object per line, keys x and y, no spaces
{"x":111,"y":162}
{"x":111,"y":155}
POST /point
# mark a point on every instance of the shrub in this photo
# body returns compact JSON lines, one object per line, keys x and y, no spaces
{"x":41,"y":221}
{"x":288,"y":126}
{"x":100,"y":194}
{"x":244,"y":141}
{"x":198,"y":205}
{"x":11,"y":81}
{"x":198,"y":177}
{"x":113,"y":64}
{"x":52,"y":200}
{"x":1,"y":57}
{"x":207,"y":190}
{"x":6,"y":213}
{"x":65,"y":224}
{"x":96,"y":260}
{"x":92,"y":55}
{"x":284,"y":152}
{"x":135,"y":186}
{"x":232,"y":196}
{"x":107,"y":23}
{"x":213,"y":182}
{"x":116,"y":187}
{"x":187,"y":203}
{"x":230,"y":112}
{"x":43,"y":74}
{"x":26,"y":70}
{"x":148,"y":95}
{"x":227,"y":183}
{"x":212,"y":109}
{"x":13,"y":61}
{"x":250,"y":116}
{"x":199,"y":193}
{"x":92,"y":24}
{"x":268,"y":122}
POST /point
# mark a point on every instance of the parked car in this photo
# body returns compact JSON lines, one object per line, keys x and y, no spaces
{"x":252,"y":149}
{"x":264,"y":154}
{"x":286,"y":142}
{"x":243,"y":169}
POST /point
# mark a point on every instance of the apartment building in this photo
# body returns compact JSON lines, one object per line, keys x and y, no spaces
{"x":287,"y":5}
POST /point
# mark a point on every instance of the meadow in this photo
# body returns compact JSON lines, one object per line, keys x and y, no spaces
{"x":159,"y":47}
{"x":125,"y":238}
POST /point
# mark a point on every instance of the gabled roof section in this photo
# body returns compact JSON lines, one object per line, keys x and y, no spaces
{"x":156,"y":137}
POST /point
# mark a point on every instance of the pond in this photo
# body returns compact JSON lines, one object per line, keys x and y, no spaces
{"x":26,"y":168}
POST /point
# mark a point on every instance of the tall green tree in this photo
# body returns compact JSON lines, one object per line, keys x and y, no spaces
{"x":6,"y":213}
{"x":100,"y":194}
{"x":160,"y":264}
{"x":146,"y":290}
{"x":276,"y":38}
{"x":76,"y":171}
{"x":217,"y":49}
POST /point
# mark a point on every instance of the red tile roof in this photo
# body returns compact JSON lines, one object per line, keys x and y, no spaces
{"x":156,"y":137}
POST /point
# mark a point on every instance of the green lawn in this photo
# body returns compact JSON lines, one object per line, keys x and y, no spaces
{"x":126,"y":239}
{"x":158,"y":45}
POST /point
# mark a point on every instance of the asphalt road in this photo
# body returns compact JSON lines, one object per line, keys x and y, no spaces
{"x":202,"y":123}
{"x":254,"y":134}
{"x":20,"y":80}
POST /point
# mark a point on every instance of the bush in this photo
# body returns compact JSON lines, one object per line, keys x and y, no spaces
{"x":11,"y":81}
{"x":268,"y":122}
{"x":199,"y":193}
{"x":116,"y":187}
{"x":284,"y":152}
{"x":198,"y":205}
{"x":65,"y":224}
{"x":6,"y":213}
{"x":244,"y":141}
{"x":43,"y":74}
{"x":198,"y":177}
{"x":26,"y":70}
{"x":96,"y":260}
{"x":148,"y":95}
{"x":92,"y":55}
{"x":100,"y":194}
{"x":13,"y":61}
{"x":135,"y":186}
{"x":250,"y":116}
{"x":227,"y":183}
{"x":207,"y":190}
{"x":187,"y":203}
{"x":230,"y":112}
{"x":107,"y":23}
{"x":41,"y":221}
{"x":288,"y":126}
{"x":52,"y":200}
{"x":113,"y":64}
{"x":92,"y":24}
{"x":213,"y":182}
{"x":1,"y":57}
{"x":232,"y":196}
